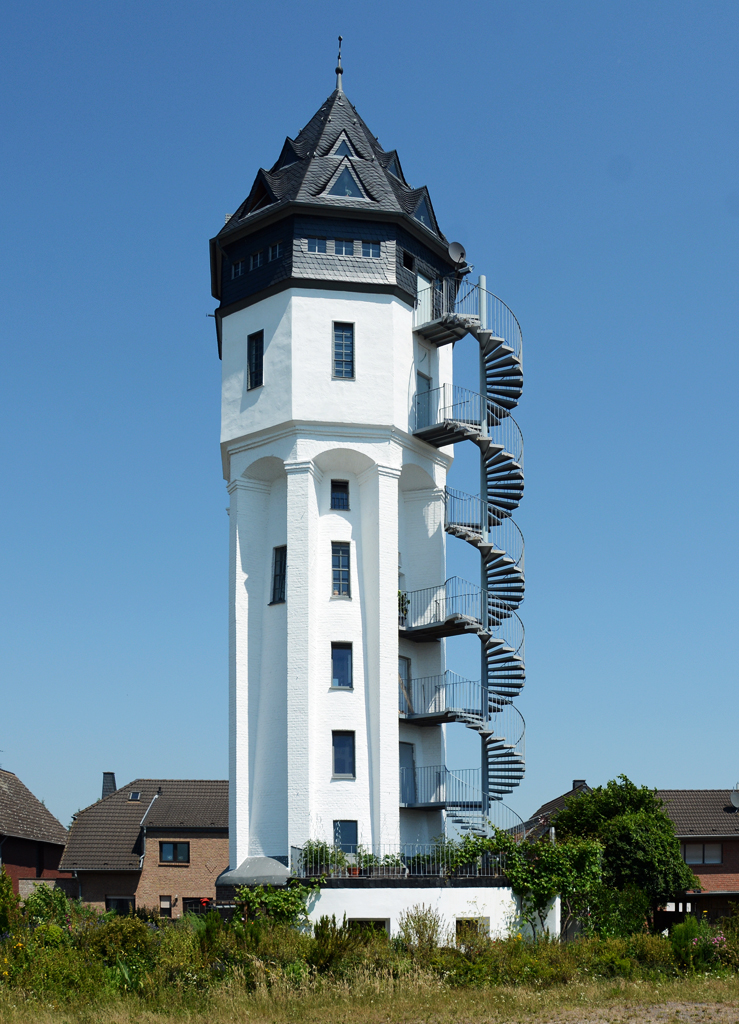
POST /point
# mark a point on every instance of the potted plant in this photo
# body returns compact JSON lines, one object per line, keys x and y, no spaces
{"x":402,"y":607}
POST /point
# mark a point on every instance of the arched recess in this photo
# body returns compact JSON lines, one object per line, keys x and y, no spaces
{"x":343,"y":460}
{"x":415,"y":478}
{"x":267,"y":469}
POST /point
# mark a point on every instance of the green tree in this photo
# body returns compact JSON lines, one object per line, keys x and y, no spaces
{"x":641,"y":852}
{"x":10,"y":904}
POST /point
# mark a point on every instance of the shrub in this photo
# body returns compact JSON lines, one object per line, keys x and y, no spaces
{"x":10,"y":904}
{"x":47,"y":904}
{"x":421,"y":928}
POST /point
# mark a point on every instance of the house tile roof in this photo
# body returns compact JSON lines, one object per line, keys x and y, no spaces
{"x":539,"y":822}
{"x":25,"y":817}
{"x":701,"y":812}
{"x":107,"y":836}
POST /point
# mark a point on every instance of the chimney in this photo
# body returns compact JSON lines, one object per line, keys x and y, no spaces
{"x":109,"y":785}
{"x":578,"y":783}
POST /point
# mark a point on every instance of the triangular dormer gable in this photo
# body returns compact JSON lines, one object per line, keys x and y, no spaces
{"x":343,"y":147}
{"x":345,"y":184}
{"x":393,"y":166}
{"x":424,"y":213}
{"x":261,"y":195}
{"x":289,"y":155}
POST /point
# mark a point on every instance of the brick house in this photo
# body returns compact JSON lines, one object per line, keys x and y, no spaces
{"x":31,"y":839}
{"x":707,"y":825}
{"x":155,"y":843}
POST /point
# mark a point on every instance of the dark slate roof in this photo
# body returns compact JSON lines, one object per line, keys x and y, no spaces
{"x":306,"y":171}
{"x":107,"y":836}
{"x":701,"y":812}
{"x":25,"y":817}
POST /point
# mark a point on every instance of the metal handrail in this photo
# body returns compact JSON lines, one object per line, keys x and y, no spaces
{"x":450,"y":296}
{"x":436,"y":784}
{"x":458,"y":598}
{"x":457,"y":405}
{"x":468,"y":512}
{"x":318,"y":859}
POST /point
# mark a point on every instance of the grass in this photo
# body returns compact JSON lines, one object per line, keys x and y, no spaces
{"x":418,"y":999}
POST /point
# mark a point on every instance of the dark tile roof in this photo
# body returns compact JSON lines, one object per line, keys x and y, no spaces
{"x":540,"y":821}
{"x":701,"y":812}
{"x":107,"y":835}
{"x":22,"y":815}
{"x":306,"y":171}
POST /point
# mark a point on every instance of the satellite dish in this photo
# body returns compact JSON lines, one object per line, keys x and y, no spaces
{"x":735,"y":796}
{"x":457,"y":253}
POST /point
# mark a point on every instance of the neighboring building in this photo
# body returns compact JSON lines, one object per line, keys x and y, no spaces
{"x":707,"y":825}
{"x":542,"y":820}
{"x":155,"y":843}
{"x":31,"y":838}
{"x":340,"y":303}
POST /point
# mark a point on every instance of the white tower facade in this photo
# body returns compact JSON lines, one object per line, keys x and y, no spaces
{"x":331,"y":277}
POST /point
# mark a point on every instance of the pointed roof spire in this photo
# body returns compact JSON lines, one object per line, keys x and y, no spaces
{"x":339,"y":69}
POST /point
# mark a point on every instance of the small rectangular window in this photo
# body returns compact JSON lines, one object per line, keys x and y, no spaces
{"x":343,"y":247}
{"x":174,"y":853}
{"x":341,"y":666}
{"x":346,"y":836}
{"x":340,"y":570}
{"x":255,"y":360}
{"x":196,"y":905}
{"x":343,"y":361}
{"x":135,"y":795}
{"x":275,"y":251}
{"x":340,"y":494}
{"x":256,"y":259}
{"x":316,"y":245}
{"x":279,"y":574}
{"x":165,"y":906}
{"x":343,"y":753}
{"x":712,"y":853}
{"x":121,"y":904}
{"x":237,"y":269}
{"x":371,"y":249}
{"x":408,"y":261}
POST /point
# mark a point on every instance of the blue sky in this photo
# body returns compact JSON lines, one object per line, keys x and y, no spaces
{"x":586,"y":155}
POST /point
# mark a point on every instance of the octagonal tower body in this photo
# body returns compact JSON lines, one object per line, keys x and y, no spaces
{"x":331,"y":243}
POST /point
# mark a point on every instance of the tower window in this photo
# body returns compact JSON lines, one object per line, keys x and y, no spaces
{"x":255,"y":360}
{"x":279,"y":574}
{"x":408,"y":262}
{"x":344,"y":351}
{"x":343,"y":149}
{"x":276,"y":250}
{"x":346,"y":186}
{"x":371,"y":249}
{"x":343,"y":755}
{"x":340,"y":570}
{"x":256,"y":259}
{"x":343,"y":247}
{"x":341,"y":666}
{"x":316,"y":245}
{"x":237,"y":269}
{"x":346,"y":836}
{"x":423,"y":215}
{"x":340,"y":494}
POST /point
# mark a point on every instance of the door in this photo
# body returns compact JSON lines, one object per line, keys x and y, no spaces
{"x":423,"y":401}
{"x":424,"y":300}
{"x":407,"y":774}
{"x":405,"y":697}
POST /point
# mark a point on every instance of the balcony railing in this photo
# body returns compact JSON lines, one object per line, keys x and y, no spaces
{"x":450,"y":296}
{"x":392,"y":860}
{"x":460,"y":406}
{"x":437,"y":786}
{"x":467,"y":512}
{"x":456,"y":605}
{"x":450,"y":696}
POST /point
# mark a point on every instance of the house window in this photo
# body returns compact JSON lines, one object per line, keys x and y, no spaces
{"x":256,"y":259}
{"x":340,"y":494}
{"x":371,"y":249}
{"x":341,"y":666}
{"x":135,"y":795}
{"x":316,"y":245}
{"x":255,"y":360}
{"x":343,"y":351}
{"x":346,"y":836}
{"x":196,"y":905}
{"x":279,"y":574}
{"x":165,"y":906}
{"x":408,"y":261}
{"x":703,"y":853}
{"x":340,"y":570}
{"x":343,"y":247}
{"x":174,"y":853}
{"x":237,"y":269}
{"x":121,"y":904}
{"x":276,"y":250}
{"x":343,"y":752}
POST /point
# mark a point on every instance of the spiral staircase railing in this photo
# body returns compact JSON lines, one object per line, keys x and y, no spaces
{"x":445,"y":312}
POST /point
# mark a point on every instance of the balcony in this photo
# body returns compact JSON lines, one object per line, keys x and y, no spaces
{"x":399,"y":862}
{"x":450,"y":414}
{"x":438,"y":788}
{"x":457,"y":607}
{"x":450,"y":308}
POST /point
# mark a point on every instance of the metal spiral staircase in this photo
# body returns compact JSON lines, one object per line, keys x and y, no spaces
{"x":445,"y":313}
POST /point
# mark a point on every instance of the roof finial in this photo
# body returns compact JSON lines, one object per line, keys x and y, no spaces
{"x":339,"y":69}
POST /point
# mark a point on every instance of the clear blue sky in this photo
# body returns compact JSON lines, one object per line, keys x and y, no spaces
{"x":586,"y":154}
